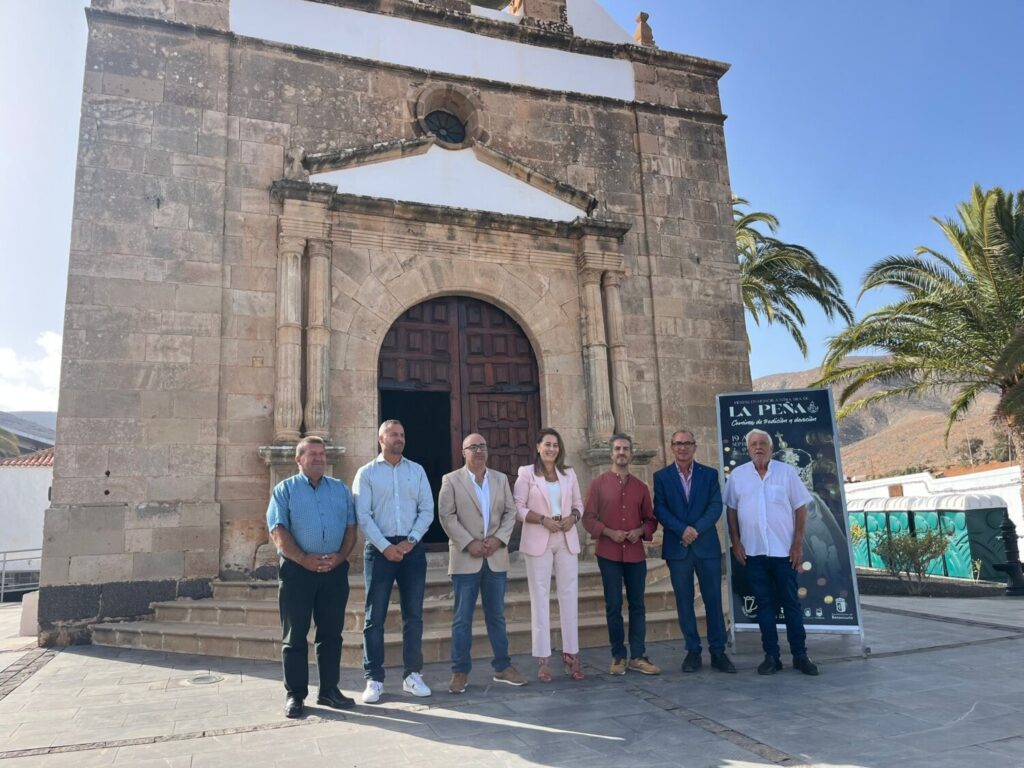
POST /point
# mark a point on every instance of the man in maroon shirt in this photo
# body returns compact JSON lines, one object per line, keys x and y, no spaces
{"x":619,"y":515}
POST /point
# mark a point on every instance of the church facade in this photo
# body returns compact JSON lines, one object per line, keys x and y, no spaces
{"x":296,"y":218}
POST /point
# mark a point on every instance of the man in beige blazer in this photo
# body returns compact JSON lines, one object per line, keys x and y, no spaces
{"x":477,"y":512}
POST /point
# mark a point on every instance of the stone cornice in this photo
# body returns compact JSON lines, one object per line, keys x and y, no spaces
{"x":328,"y":195}
{"x":642,"y":55}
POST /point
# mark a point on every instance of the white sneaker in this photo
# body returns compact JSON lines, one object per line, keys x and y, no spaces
{"x":373,"y":691}
{"x":414,"y":684}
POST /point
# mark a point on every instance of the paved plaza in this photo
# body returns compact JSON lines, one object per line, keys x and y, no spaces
{"x":942,"y":687}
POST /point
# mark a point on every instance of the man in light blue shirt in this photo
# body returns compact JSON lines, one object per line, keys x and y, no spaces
{"x":312,"y":522}
{"x":394,"y":507}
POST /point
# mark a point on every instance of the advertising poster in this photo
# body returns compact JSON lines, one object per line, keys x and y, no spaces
{"x":802,"y":426}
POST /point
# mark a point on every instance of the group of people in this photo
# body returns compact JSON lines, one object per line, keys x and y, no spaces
{"x":313,"y":518}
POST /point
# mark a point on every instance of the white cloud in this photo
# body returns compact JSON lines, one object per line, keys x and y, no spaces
{"x":31,"y":384}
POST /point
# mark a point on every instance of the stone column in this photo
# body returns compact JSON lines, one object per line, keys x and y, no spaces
{"x":318,"y":339}
{"x":288,"y":393}
{"x":595,"y":356}
{"x":622,"y":397}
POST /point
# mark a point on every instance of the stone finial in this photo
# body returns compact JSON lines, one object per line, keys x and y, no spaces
{"x":293,"y":167}
{"x":644,"y":35}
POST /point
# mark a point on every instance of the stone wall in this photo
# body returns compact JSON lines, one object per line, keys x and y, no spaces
{"x":168,"y":385}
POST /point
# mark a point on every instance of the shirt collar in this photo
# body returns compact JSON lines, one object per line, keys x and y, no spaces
{"x":680,"y":471}
{"x":380,"y":459}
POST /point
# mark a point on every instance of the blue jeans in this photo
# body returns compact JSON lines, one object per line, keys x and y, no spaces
{"x":490,"y":585}
{"x":773,"y":582}
{"x":380,"y":575}
{"x":709,"y":576}
{"x":634,"y":575}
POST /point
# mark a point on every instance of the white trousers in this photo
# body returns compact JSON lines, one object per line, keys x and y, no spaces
{"x":539,"y":568}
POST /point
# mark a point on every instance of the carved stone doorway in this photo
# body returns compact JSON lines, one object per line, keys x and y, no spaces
{"x":455,"y":365}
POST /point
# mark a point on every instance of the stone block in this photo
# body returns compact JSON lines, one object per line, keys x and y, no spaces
{"x":142,"y":89}
{"x":96,"y":569}
{"x":184,"y":488}
{"x":154,"y":514}
{"x":200,"y":564}
{"x":153,"y":566}
{"x":68,"y":603}
{"x":199,"y":514}
{"x":139,"y":539}
{"x":168,"y":348}
{"x":54,"y":571}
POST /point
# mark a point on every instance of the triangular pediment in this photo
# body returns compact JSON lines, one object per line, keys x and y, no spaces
{"x":475,"y":178}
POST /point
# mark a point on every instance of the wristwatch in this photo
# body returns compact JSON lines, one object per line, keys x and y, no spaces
{"x":412,"y":540}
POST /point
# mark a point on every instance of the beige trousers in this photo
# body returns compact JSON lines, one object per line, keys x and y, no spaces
{"x":563,"y":563}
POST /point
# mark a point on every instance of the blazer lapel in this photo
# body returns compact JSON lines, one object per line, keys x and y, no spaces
{"x":542,"y":490}
{"x":467,"y":483}
{"x":565,"y":491}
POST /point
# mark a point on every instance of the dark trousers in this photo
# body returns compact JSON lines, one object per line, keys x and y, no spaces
{"x":634,"y":576}
{"x":381,"y":575}
{"x":490,"y":585}
{"x":322,"y":597}
{"x":709,"y":575}
{"x":773,"y":582}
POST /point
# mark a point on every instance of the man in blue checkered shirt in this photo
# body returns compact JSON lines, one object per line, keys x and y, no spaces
{"x":312,"y":521}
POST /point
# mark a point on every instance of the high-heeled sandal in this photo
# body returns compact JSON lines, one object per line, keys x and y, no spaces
{"x":572,"y":666}
{"x":544,"y":670}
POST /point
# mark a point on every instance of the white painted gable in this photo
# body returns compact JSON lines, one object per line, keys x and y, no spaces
{"x":589,"y":19}
{"x":451,"y":178}
{"x":378,"y":37}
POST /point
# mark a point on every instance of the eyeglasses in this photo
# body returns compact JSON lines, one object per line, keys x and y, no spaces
{"x":683,"y":444}
{"x":478,"y":448}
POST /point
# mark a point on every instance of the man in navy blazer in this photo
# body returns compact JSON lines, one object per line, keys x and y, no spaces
{"x":688,"y":503}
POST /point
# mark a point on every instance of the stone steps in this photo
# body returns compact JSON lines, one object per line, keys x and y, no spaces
{"x":241,"y":620}
{"x":436,"y":611}
{"x":264,"y":643}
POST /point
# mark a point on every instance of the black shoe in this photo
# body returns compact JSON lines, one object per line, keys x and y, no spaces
{"x":293,"y":707}
{"x":335,"y":699}
{"x":722,"y":663}
{"x":805,"y":665}
{"x":769,"y":666}
{"x":692,"y":662}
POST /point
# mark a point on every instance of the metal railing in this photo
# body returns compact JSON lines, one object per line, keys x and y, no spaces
{"x":19,"y":571}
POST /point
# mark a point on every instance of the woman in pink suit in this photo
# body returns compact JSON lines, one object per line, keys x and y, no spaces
{"x":549,"y":503}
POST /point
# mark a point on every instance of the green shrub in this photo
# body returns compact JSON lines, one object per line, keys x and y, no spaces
{"x":908,"y":555}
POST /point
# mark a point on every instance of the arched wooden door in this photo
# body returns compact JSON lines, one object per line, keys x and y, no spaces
{"x":454,"y":365}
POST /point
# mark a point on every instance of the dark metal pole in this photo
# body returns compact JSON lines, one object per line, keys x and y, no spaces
{"x":1012,"y":567}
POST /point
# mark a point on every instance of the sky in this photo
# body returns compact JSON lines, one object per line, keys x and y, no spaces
{"x":854,"y":123}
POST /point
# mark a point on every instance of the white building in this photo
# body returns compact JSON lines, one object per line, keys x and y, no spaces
{"x":24,"y":496}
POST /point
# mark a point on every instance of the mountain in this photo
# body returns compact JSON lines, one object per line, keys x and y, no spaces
{"x":893,"y":436}
{"x":46,"y":419}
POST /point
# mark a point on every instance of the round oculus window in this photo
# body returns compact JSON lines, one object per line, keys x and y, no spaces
{"x":446,"y":126}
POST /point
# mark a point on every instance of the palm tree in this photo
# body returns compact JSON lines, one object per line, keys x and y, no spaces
{"x":774,"y":275}
{"x":958,"y":324}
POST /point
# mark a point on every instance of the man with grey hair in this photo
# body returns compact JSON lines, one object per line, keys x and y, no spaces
{"x":312,"y":522}
{"x":394,"y":507}
{"x":766,"y":505}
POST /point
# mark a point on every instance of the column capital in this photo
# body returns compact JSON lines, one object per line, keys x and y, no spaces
{"x":613,"y":278}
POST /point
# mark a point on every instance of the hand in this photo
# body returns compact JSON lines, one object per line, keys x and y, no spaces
{"x":493,"y":544}
{"x":796,"y":556}
{"x":551,"y":525}
{"x":689,"y":535}
{"x":739,"y":553}
{"x":477,"y":548}
{"x":394,"y":553}
{"x":405,"y":547}
{"x":634,"y":536}
{"x":329,"y":562}
{"x":615,"y":535}
{"x":310,"y":562}
{"x":568,"y":523}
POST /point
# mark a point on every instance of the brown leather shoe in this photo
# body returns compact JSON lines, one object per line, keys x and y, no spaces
{"x":458,"y":683}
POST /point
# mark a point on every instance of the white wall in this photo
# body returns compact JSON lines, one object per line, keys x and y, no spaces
{"x":24,"y":497}
{"x":452,"y":178}
{"x":427,"y":46}
{"x":1004,"y":482}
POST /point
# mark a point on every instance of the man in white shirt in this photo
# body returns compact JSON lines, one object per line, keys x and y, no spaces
{"x":766,"y":505}
{"x":477,"y":511}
